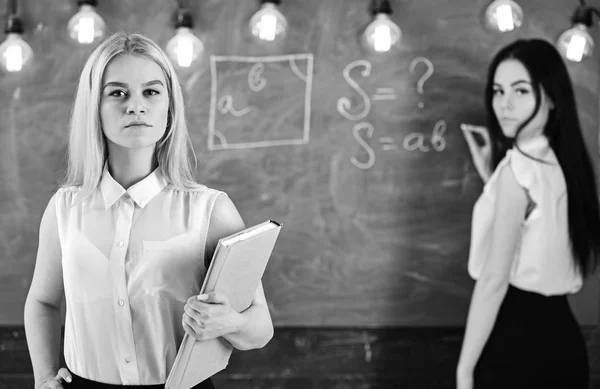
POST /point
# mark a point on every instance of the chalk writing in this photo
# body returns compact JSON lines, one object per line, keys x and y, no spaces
{"x":416,"y":140}
{"x":256,"y":81}
{"x":262,"y":77}
{"x":344,"y":103}
{"x":225,"y":106}
{"x":371,"y":154}
{"x":384,"y":94}
{"x":428,"y":73}
{"x":363,"y":131}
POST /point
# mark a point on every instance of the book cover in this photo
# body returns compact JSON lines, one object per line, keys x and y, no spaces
{"x":236,"y":269}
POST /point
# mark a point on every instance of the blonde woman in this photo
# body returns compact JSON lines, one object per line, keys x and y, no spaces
{"x":128,"y":237}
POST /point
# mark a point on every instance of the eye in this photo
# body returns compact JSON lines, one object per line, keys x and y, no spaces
{"x":117,"y":93}
{"x":497,"y":92}
{"x":151,"y":92}
{"x":522,"y":91}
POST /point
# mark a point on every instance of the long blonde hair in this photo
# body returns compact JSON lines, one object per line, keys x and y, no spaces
{"x":88,"y":150}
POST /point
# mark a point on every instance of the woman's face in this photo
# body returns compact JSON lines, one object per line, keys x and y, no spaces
{"x":514,"y":101}
{"x":134,"y":102}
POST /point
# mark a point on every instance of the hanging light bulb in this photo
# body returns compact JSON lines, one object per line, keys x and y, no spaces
{"x":504,"y":15}
{"x":576,"y":44}
{"x":86,"y":26}
{"x":15,"y":53}
{"x":184,"y":48}
{"x":382,"y":33}
{"x":268,"y":23}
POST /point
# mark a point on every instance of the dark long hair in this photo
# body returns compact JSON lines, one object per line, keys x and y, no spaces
{"x":549,"y":73}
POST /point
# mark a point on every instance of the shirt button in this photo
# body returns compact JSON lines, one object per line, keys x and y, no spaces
{"x":121,"y":244}
{"x":127,"y":360}
{"x":121,"y":302}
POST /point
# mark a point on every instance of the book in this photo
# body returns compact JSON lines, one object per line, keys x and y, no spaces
{"x":236,"y":269}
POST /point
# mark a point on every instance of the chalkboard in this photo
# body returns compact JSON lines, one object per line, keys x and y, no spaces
{"x":359,"y":156}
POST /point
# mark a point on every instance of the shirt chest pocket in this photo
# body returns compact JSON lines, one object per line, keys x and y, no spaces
{"x":172,"y":268}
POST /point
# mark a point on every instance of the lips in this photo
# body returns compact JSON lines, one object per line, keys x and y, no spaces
{"x":137,"y":124}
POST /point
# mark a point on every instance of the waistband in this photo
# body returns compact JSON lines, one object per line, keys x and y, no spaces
{"x":83,"y":383}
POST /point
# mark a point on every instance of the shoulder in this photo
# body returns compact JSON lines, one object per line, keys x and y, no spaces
{"x":67,"y":190}
{"x":198,"y":195}
{"x":67,"y":195}
{"x":225,"y":219}
{"x":195,"y":191}
{"x":538,"y":172}
{"x":517,"y":167}
{"x":212,"y":203}
{"x":224,"y":210}
{"x":524,"y":167}
{"x":507,"y":184}
{"x":509,"y":174}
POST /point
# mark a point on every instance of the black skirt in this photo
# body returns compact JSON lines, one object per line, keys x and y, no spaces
{"x":536,"y":342}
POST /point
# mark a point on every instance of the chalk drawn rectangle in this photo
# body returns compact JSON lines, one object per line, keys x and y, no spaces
{"x":283,"y":84}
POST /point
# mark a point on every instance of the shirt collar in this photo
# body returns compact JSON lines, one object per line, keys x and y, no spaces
{"x":142,"y":192}
{"x":536,"y":144}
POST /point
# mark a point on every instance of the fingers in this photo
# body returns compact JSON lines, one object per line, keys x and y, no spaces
{"x":193,"y":328}
{"x":52,"y":384}
{"x":479,"y":130}
{"x":214,"y":298}
{"x":202,"y":308}
{"x":477,"y":137}
{"x":473,"y":128}
{"x":471,"y":142}
{"x":64,"y":374}
{"x":186,"y":322}
{"x":193,"y":314}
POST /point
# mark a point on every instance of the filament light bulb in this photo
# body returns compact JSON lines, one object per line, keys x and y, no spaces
{"x":382,"y":33}
{"x":268,"y":24}
{"x":504,"y":15}
{"x":86,"y":26}
{"x":184,"y":48}
{"x":576,"y":44}
{"x":15,"y":53}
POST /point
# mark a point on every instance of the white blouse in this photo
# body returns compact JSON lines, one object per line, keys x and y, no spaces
{"x":131,"y":259}
{"x":543,"y":261}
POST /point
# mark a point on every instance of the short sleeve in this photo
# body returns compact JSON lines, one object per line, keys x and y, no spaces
{"x":526,"y":171}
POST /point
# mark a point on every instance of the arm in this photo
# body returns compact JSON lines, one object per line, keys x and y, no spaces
{"x":212,"y":316}
{"x":42,"y":306}
{"x":481,"y":154}
{"x":256,"y":328}
{"x":490,"y":288}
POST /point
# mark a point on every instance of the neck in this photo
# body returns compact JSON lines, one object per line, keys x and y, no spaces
{"x":130,"y":166}
{"x":527,"y":136}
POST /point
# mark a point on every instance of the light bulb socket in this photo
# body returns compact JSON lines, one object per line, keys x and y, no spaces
{"x":276,"y":2}
{"x":583,"y":15}
{"x":93,"y":3}
{"x":13,"y":25}
{"x":380,"y":7}
{"x":183,"y":18}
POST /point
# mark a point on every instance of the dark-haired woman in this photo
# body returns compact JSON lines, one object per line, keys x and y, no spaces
{"x":536,"y":228}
